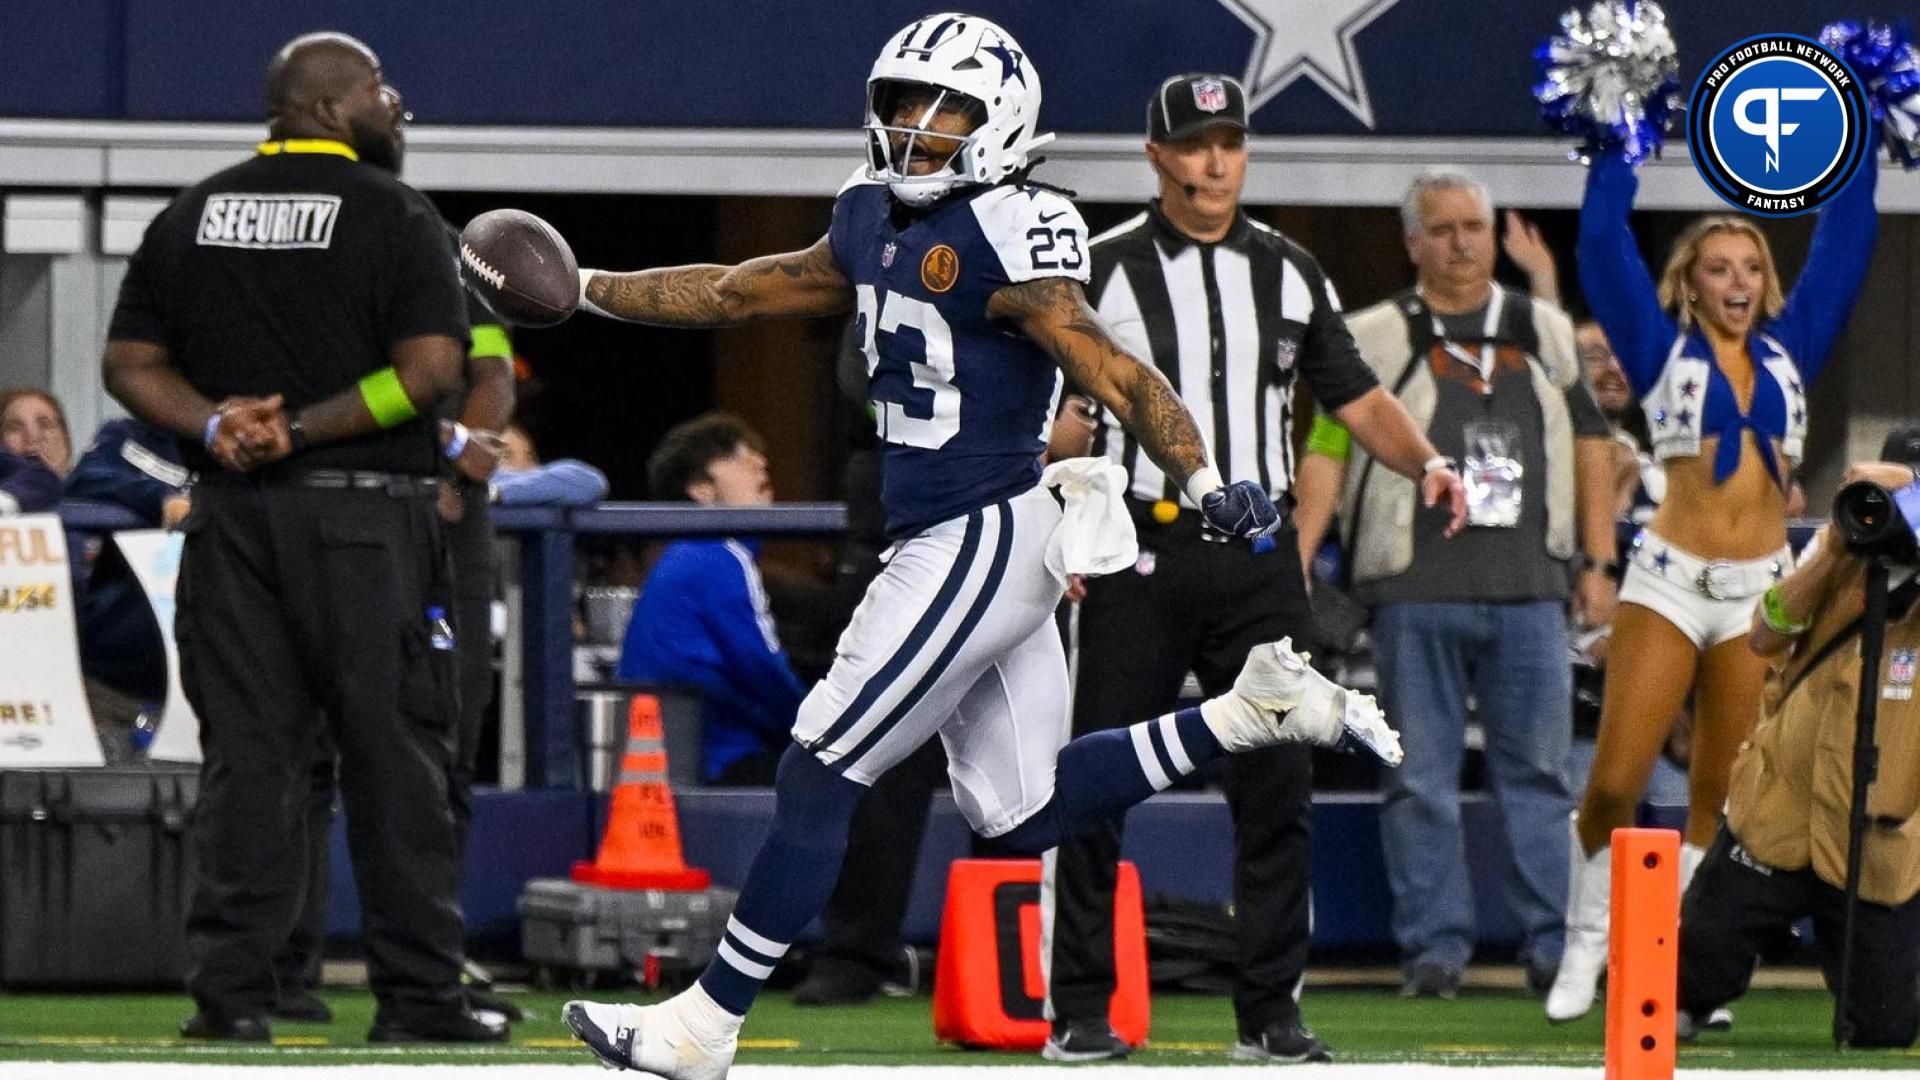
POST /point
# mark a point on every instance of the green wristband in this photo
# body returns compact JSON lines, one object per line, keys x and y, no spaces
{"x":1773,"y":612}
{"x":386,"y":399}
{"x":489,"y":341}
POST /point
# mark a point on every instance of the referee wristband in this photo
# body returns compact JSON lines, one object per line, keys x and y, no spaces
{"x":457,"y":442}
{"x":1773,"y":612}
{"x":1435,"y":464}
{"x":386,"y":399}
{"x":212,"y":430}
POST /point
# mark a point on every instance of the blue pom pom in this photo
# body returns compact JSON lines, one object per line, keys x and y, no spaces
{"x":1883,"y":55}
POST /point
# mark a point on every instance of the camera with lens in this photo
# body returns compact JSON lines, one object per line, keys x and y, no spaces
{"x":1880,"y":523}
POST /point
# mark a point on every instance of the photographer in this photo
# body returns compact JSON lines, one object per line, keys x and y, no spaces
{"x":1781,"y":854}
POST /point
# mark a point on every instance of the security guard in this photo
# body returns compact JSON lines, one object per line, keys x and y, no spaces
{"x":293,"y":318}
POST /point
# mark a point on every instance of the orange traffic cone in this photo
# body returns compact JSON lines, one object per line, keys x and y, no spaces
{"x":641,"y":849}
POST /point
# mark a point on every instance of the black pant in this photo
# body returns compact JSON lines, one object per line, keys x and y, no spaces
{"x":300,"y":606}
{"x":470,"y":544}
{"x":1192,"y":604}
{"x":1735,"y":906}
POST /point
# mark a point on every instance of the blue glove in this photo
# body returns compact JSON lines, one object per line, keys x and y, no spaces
{"x":1241,"y":509}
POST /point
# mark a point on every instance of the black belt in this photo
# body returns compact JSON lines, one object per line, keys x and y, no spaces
{"x":1188,"y":523}
{"x":396,"y":484}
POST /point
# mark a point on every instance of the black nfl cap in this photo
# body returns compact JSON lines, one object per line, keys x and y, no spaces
{"x":1186,"y":105}
{"x":1902,"y":446}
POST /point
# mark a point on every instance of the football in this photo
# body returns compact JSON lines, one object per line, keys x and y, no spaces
{"x":521,"y":267}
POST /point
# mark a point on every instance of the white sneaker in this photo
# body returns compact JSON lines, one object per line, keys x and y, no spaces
{"x":681,"y":1038}
{"x":1280,"y":698}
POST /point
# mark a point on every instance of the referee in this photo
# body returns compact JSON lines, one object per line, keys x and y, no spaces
{"x":294,"y":318}
{"x":1230,"y":311}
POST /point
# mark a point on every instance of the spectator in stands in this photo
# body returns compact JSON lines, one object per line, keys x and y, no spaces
{"x":137,"y":467}
{"x":32,"y":424}
{"x":523,"y":481}
{"x":1482,"y":614}
{"x":702,"y":620}
{"x":27,"y":486}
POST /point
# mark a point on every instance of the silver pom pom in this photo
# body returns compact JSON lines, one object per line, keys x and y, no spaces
{"x":1611,"y":76}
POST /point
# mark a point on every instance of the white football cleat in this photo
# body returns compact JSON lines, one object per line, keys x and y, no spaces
{"x":656,"y":1039}
{"x":1279,"y":698}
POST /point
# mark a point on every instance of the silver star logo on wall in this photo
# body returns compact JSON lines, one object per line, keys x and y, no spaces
{"x":1314,"y":38}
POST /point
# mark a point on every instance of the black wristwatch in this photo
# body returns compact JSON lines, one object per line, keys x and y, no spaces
{"x":296,"y":436}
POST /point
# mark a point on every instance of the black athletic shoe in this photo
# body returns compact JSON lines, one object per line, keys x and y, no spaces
{"x":834,"y":981}
{"x":1283,"y":1041}
{"x":453,"y":1026}
{"x":1085,"y":1040}
{"x":303,"y":1007}
{"x":1430,"y":980}
{"x":212,"y":1028}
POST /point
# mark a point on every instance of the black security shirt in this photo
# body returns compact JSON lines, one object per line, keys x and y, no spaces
{"x":295,"y":273}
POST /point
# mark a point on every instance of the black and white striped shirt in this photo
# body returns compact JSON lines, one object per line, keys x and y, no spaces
{"x":1229,"y":324}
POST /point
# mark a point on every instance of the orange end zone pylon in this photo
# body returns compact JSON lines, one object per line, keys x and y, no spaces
{"x":641,"y":849}
{"x":1643,"y":959}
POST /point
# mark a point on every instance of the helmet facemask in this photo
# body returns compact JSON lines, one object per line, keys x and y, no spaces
{"x":919,"y":138}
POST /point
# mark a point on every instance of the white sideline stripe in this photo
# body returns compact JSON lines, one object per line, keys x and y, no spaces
{"x":762,"y":945}
{"x":738,"y":960}
{"x":1149,"y":761}
{"x":35,"y":1070}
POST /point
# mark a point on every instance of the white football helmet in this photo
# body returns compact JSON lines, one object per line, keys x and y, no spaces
{"x":952,"y":60}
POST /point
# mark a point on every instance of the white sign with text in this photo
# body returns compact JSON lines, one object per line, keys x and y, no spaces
{"x":44,"y":719}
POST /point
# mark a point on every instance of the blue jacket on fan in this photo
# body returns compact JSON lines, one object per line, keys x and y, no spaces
{"x":702,"y":622}
{"x":137,"y":466}
{"x":27,"y":486}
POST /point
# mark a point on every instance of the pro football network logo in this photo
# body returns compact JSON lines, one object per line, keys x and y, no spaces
{"x":1778,"y":124}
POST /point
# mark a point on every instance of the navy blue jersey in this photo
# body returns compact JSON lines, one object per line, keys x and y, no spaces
{"x":962,"y":400}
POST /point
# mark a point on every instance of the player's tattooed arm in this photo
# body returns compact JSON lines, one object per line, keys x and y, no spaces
{"x":796,"y":284}
{"x":1054,"y":312}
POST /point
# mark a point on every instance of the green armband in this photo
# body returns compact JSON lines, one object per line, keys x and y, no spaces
{"x":1329,"y":438}
{"x":1773,"y":612}
{"x":489,"y":341}
{"x":386,"y":399}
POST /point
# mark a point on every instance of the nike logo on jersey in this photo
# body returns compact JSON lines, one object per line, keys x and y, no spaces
{"x":1044,"y":218}
{"x":268,"y":222}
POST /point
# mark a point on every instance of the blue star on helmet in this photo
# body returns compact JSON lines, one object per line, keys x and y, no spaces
{"x":1009,"y":61}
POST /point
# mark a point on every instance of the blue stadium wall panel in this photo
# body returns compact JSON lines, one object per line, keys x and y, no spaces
{"x":1182,"y":843}
{"x":1348,"y":69}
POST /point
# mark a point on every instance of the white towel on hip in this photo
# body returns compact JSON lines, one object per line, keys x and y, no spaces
{"x":1095,"y":535}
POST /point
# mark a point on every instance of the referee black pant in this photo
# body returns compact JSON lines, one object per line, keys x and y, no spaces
{"x":1192,"y":604}
{"x":303,"y":606}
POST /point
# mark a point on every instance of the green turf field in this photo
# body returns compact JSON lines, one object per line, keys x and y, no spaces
{"x":1775,"y":1029}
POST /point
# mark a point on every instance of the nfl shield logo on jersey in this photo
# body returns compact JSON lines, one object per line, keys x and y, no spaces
{"x":1209,"y":95}
{"x":1900,"y":670}
{"x":887,"y":253}
{"x":1284,"y":352}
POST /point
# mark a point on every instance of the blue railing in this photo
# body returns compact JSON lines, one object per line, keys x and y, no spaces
{"x":546,"y":536}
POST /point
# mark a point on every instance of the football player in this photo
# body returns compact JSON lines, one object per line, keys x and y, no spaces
{"x":965,"y":277}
